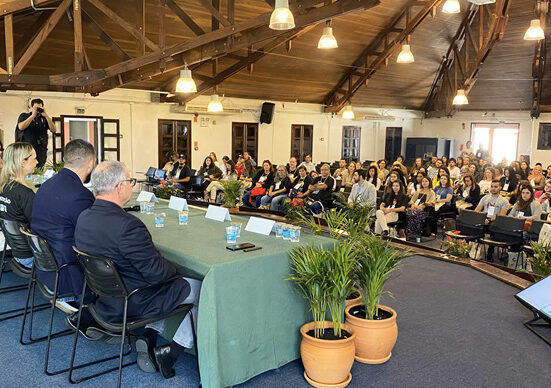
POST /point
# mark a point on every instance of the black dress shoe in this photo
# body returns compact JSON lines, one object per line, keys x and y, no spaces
{"x":164,"y":361}
{"x":71,"y":322}
{"x":146,"y":356}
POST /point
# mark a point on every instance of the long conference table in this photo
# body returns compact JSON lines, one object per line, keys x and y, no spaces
{"x":249,"y":315}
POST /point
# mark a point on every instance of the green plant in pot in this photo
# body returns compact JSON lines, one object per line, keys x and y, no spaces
{"x":541,"y":259}
{"x":232,"y":191}
{"x":374,"y":325}
{"x":324,"y":277}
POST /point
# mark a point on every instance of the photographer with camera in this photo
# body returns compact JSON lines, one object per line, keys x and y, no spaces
{"x":32,"y":127}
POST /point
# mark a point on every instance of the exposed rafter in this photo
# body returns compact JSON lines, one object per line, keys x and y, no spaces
{"x":98,"y":31}
{"x":184,"y":17}
{"x":460,"y":67}
{"x":22,"y":5}
{"x":378,"y":52}
{"x":538,"y":65}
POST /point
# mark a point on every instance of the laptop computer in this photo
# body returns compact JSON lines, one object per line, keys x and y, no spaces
{"x":150,"y":174}
{"x":159,"y":175}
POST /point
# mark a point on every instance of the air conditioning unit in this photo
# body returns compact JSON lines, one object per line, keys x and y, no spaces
{"x":176,"y":108}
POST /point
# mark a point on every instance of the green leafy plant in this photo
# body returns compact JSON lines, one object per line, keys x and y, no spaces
{"x":361,"y":218}
{"x":55,"y":166}
{"x":541,"y":261}
{"x":294,"y":209}
{"x":39,"y":170}
{"x":232,"y":192}
{"x":166,"y":189}
{"x":376,"y":261}
{"x":338,"y":222}
{"x":324,"y":278}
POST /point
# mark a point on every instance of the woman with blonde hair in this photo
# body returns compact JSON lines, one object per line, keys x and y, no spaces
{"x":214,"y":159}
{"x":16,"y":198}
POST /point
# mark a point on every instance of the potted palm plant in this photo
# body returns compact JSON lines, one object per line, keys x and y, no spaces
{"x":324,"y":278}
{"x":232,"y":191}
{"x":374,"y":325}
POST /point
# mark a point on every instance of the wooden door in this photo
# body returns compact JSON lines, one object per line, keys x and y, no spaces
{"x":302,"y":137}
{"x":393,"y":146}
{"x":245,"y":139}
{"x":174,"y":136}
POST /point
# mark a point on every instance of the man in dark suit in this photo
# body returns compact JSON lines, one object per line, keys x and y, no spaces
{"x":107,"y":230}
{"x":56,"y":207}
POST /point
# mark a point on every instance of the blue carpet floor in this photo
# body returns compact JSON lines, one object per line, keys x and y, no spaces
{"x":457,"y":328}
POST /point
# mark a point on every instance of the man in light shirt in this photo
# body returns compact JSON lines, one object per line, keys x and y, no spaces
{"x":493,"y":204}
{"x":342,"y":167}
{"x":310,"y":166}
{"x":455,"y":172}
{"x":363,"y":192}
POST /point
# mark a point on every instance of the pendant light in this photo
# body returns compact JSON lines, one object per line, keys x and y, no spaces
{"x":482,"y":2}
{"x":282,"y":17}
{"x":451,"y":6}
{"x":215,"y":105}
{"x":185,"y":83}
{"x":534,"y":32}
{"x":327,"y":40}
{"x":405,"y":55}
{"x":348,"y":113}
{"x":460,"y":98}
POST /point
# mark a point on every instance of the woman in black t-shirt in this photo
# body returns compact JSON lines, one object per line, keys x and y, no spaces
{"x":394,"y":203}
{"x":16,"y":198}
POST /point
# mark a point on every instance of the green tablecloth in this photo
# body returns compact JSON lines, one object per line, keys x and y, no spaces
{"x":249,"y":316}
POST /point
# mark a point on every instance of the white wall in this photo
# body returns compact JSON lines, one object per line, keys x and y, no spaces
{"x":139,"y":125}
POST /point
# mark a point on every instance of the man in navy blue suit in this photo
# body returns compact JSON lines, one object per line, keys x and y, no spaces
{"x":56,"y":207}
{"x":107,"y":230}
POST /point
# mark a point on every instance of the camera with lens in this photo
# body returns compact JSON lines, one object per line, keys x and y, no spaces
{"x":40,"y":110}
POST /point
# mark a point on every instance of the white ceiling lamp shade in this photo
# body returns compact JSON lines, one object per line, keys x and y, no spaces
{"x":451,"y":6}
{"x":460,"y":98}
{"x":534,"y":32}
{"x":348,"y":113}
{"x":482,"y":2}
{"x":215,"y":105}
{"x":405,"y":56}
{"x":185,"y":83}
{"x":282,"y":17}
{"x":327,"y":40}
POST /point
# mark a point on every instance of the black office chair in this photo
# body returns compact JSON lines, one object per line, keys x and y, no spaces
{"x":469,"y":226}
{"x":17,"y":241}
{"x":103,"y":279}
{"x":506,"y":233}
{"x":532,"y":234}
{"x":43,"y":260}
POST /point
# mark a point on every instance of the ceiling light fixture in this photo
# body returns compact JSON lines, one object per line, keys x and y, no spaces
{"x":451,"y":6}
{"x":185,"y":83}
{"x":215,"y":105}
{"x":460,"y":98}
{"x":282,"y":17}
{"x":327,"y":40}
{"x":405,"y":56}
{"x":482,"y":2}
{"x":534,"y":32}
{"x":348,"y":113}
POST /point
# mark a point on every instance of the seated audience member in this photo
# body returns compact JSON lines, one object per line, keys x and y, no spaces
{"x":526,"y":207}
{"x":321,"y":190}
{"x":537,"y":180}
{"x":215,"y":186}
{"x":524,"y":170}
{"x":259,"y":185}
{"x":347,"y":177}
{"x":468,"y":150}
{"x":415,"y":183}
{"x":277,"y":193}
{"x":247,"y":175}
{"x":396,"y":174}
{"x":56,"y":207}
{"x":382,"y":170}
{"x":459,"y":162}
{"x":301,"y":184}
{"x":310,"y":166}
{"x":508,"y":181}
{"x":394,"y":202}
{"x":421,"y":204}
{"x":441,"y":171}
{"x":468,"y":193}
{"x":208,"y":172}
{"x":248,"y":157}
{"x":16,"y":198}
{"x":181,"y":174}
{"x":223,"y":166}
{"x":313,"y":174}
{"x":214,"y":159}
{"x":444,"y":195}
{"x":515,"y":194}
{"x":544,"y":195}
{"x":403,"y":169}
{"x":455,"y":172}
{"x":548,"y":172}
{"x":373,"y":176}
{"x":444,"y":159}
{"x":400,"y":159}
{"x":292,"y":170}
{"x":173,"y":159}
{"x":239,"y":165}
{"x":486,"y":182}
{"x":357,"y":165}
{"x":493,"y":204}
{"x":107,"y":230}
{"x":342,"y":168}
{"x":416,"y":166}
{"x":434,"y":167}
{"x":363,"y":192}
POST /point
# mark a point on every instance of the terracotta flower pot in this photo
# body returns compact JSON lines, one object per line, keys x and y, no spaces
{"x":327,"y":363}
{"x":357,"y":300}
{"x":374,"y":339}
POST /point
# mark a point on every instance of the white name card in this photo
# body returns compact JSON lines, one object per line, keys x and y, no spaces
{"x":177,"y":203}
{"x":146,"y":196}
{"x":218,"y":213}
{"x":49,"y":173}
{"x":260,"y":225}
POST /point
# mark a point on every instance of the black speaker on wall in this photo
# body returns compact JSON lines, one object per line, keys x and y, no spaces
{"x":267,"y":113}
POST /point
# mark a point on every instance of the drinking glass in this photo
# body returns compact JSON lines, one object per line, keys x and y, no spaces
{"x":286,"y":232}
{"x":160,"y":220}
{"x":182,"y":217}
{"x":143,"y":207}
{"x":231,"y":234}
{"x":150,"y":207}
{"x":295,"y":233}
{"x":279,"y":229}
{"x":237,"y":226}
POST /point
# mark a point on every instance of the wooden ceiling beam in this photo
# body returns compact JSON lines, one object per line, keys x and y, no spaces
{"x":23,"y":43}
{"x":214,"y":44}
{"x":124,"y":24}
{"x":215,"y":11}
{"x":8,"y":32}
{"x":184,"y":17}
{"x":115,"y":48}
{"x":538,"y":64}
{"x":386,"y":44}
{"x":42,"y":35}
{"x":77,"y":26}
{"x":22,"y":5}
